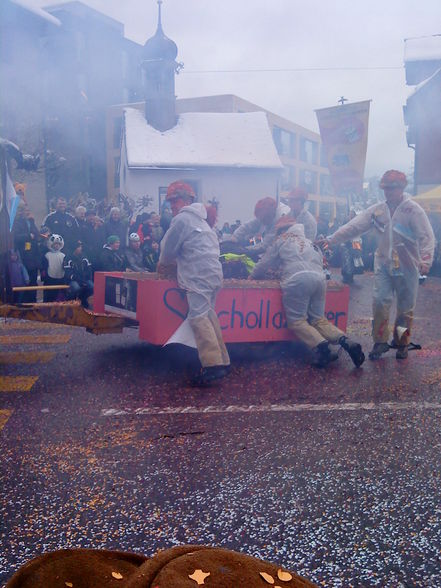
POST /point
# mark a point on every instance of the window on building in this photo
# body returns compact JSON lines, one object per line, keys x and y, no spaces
{"x":284,"y":141}
{"x":116,"y":163}
{"x":312,"y":206}
{"x":125,"y":65}
{"x":162,"y":193}
{"x":117,"y":127}
{"x":308,"y":180}
{"x":288,"y":178}
{"x":323,"y":156}
{"x":325,"y":185}
{"x":80,"y":45}
{"x":325,"y":210}
{"x":83,"y":87}
{"x":308,"y":151}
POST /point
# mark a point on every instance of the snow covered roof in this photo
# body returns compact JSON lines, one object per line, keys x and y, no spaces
{"x":207,"y":139}
{"x":424,"y":83}
{"x":37,"y":11}
{"x":423,"y":49}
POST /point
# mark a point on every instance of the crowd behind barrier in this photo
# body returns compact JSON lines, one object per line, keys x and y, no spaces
{"x":90,"y":245}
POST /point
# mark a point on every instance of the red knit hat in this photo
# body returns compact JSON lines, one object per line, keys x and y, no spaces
{"x":264,"y":206}
{"x":179,"y":188}
{"x":297,"y":194}
{"x":393,"y":179}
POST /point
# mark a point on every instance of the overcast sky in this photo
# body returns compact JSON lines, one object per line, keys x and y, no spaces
{"x":288,"y":34}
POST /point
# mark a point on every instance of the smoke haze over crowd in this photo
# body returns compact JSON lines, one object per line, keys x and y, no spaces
{"x":294,"y":56}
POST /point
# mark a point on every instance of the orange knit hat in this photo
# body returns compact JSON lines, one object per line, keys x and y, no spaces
{"x":180,"y":188}
{"x":393,"y":179}
{"x":264,"y":206}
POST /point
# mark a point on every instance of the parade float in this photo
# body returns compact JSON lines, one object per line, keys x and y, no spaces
{"x":248,"y":311}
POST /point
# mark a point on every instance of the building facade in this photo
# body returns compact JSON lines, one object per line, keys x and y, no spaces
{"x":299,"y":149}
{"x":60,"y":68}
{"x":422,"y":112}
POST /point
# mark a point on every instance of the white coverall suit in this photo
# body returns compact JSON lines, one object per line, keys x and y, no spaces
{"x":254,"y":227}
{"x":306,"y":219}
{"x":194,"y":246}
{"x":303,"y":285}
{"x":405,"y":241}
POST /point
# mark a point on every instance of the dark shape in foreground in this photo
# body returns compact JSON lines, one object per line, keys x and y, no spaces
{"x":186,"y":565}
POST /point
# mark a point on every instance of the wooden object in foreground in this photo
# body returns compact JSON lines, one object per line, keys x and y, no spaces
{"x":67,"y":313}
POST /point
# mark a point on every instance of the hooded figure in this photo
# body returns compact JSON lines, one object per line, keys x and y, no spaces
{"x":52,"y":268}
{"x":303,"y":286}
{"x":296,"y":201}
{"x":193,"y":245}
{"x":405,"y":249}
{"x":18,"y":275}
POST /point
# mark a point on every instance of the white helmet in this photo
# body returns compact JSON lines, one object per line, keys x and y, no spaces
{"x":134,"y":237}
{"x":53,"y":239}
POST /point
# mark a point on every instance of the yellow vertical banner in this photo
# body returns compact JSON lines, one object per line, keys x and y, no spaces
{"x":344,"y":134}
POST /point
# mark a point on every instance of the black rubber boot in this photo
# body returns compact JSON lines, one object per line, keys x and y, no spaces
{"x":377,"y":350}
{"x":322,"y":355}
{"x":402,"y":352}
{"x":209,"y":375}
{"x":354,"y":350}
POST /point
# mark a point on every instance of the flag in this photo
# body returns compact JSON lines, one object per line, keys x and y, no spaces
{"x":344,"y":134}
{"x":12,"y":201}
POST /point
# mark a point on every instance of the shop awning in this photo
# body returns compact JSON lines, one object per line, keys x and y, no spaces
{"x":431,"y":200}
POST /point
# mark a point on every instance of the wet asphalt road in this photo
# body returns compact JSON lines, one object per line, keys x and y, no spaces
{"x":334,"y":474}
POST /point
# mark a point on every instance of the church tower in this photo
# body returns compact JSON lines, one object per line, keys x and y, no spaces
{"x":159,"y":67}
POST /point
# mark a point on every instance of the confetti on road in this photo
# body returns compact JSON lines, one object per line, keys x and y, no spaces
{"x":335,"y":475}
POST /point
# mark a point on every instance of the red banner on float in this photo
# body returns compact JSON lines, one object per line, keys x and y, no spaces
{"x":344,"y":134}
{"x":246,"y":314}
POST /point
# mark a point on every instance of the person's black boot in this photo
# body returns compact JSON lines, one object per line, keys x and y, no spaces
{"x":402,"y":351}
{"x":354,"y":350}
{"x":377,"y":350}
{"x":322,"y":355}
{"x":209,"y":375}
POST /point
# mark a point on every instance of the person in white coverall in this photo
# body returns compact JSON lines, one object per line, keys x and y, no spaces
{"x":405,"y":249}
{"x":267,"y":213}
{"x":193,"y":245}
{"x":296,"y":200}
{"x":303,"y":286}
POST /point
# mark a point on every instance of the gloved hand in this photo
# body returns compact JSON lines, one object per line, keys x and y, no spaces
{"x":424,"y":269}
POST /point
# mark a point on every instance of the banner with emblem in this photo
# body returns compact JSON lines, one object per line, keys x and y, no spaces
{"x":344,"y":134}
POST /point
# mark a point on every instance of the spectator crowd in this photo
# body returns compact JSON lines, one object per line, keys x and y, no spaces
{"x":72,"y":244}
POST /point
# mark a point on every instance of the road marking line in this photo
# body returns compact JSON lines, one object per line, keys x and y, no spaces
{"x":17,"y":383}
{"x":40,"y":339}
{"x":10,"y":357}
{"x":12,"y":325}
{"x":350,"y":406}
{"x":4,"y":417}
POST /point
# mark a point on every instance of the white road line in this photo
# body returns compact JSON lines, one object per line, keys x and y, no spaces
{"x":234,"y":408}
